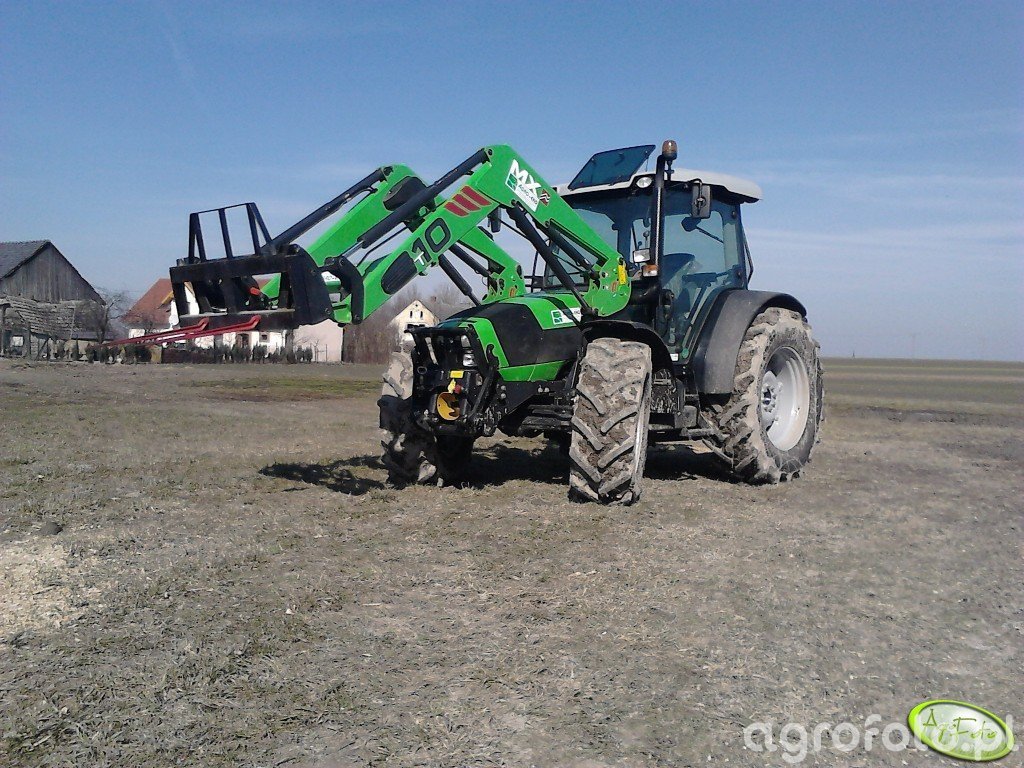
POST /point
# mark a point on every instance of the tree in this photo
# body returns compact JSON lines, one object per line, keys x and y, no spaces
{"x":447,"y":301}
{"x":147,"y":320}
{"x":103,"y":320}
{"x":373,"y":340}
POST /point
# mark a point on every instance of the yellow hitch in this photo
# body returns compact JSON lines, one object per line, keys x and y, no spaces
{"x":447,"y":406}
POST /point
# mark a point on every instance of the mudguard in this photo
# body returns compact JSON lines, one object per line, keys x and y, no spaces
{"x":714,"y":360}
{"x":624,"y":329}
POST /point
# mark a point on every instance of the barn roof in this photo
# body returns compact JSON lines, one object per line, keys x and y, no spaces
{"x":14,"y":254}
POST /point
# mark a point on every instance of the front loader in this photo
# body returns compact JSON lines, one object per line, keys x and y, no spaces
{"x":639,"y":326}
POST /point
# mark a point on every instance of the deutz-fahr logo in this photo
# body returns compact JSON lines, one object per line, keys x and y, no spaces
{"x":525,"y":187}
{"x":566,"y":316}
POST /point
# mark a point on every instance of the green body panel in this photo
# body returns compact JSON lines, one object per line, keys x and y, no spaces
{"x":545,"y":306}
{"x":539,"y":372}
{"x":487,"y":335}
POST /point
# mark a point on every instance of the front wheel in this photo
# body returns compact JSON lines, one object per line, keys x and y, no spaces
{"x":769,"y":424}
{"x":410,"y":453}
{"x":608,"y":447}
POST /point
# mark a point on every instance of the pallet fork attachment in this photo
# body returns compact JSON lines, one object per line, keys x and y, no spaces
{"x":187,"y":333}
{"x":226,"y":290}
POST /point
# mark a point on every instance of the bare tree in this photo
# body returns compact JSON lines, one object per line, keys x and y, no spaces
{"x":373,"y":340}
{"x":146,"y":320}
{"x":447,"y":301}
{"x":103,"y":319}
{"x":307,"y":340}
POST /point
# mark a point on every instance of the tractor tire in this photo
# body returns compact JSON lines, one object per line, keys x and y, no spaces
{"x":411,"y":454}
{"x":769,"y":424}
{"x":409,"y":450}
{"x":611,"y":413}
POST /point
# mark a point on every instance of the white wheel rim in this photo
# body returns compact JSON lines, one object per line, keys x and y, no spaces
{"x":785,"y":398}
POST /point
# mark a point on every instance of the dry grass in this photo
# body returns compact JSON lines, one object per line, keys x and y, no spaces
{"x":235,"y":583}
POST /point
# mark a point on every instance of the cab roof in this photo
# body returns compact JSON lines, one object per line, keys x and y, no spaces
{"x":748,"y":191}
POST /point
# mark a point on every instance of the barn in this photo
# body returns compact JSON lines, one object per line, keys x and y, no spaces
{"x":44,"y":301}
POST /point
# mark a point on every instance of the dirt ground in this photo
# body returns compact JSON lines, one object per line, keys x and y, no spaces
{"x":234,"y":584}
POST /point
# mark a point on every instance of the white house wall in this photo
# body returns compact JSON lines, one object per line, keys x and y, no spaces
{"x":325,"y":338}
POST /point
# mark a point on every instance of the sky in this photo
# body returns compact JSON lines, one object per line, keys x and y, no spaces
{"x":888,"y":137}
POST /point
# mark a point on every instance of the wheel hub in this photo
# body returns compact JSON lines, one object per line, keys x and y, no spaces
{"x":770,"y":389}
{"x":785,"y":398}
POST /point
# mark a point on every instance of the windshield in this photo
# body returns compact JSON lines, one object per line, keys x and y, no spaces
{"x":701,"y":256}
{"x":623,"y":220}
{"x":612,"y":166}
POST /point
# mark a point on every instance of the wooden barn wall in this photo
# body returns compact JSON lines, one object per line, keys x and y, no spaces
{"x":48,"y":277}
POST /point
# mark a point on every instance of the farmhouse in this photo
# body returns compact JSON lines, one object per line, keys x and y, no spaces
{"x":44,"y":301}
{"x":416,"y":315}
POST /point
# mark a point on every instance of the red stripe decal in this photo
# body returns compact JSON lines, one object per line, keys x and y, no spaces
{"x":475,"y":196}
{"x":452,"y":206}
{"x":465,"y":202}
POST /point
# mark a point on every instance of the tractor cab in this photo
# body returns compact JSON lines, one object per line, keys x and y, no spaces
{"x":702,"y":250}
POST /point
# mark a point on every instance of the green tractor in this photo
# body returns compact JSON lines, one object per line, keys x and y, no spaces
{"x":636,"y":325}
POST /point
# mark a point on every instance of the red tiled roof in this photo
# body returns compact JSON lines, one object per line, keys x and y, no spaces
{"x":154,"y":306}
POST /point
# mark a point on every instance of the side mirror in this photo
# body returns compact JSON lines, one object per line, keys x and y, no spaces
{"x":700,"y":205}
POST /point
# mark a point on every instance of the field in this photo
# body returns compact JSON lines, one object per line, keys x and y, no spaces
{"x":203,"y":566}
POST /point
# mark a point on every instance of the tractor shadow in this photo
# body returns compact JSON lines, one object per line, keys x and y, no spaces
{"x":335,"y":476}
{"x":491,"y":466}
{"x":684,"y":462}
{"x":499,"y":463}
{"x":496,"y":465}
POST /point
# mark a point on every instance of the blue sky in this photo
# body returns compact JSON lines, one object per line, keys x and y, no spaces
{"x":889,"y":137}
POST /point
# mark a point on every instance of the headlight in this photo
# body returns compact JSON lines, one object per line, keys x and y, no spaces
{"x":468,"y":358}
{"x":644,"y":182}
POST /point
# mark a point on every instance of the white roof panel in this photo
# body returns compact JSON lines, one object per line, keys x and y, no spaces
{"x":742,"y":187}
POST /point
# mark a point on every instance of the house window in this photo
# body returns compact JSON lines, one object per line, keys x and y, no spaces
{"x":17,"y":342}
{"x":264,"y":338}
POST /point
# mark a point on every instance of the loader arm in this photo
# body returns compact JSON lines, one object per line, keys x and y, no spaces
{"x":503,"y":274}
{"x":351,"y":261}
{"x":299,"y":290}
{"x":498,"y":178}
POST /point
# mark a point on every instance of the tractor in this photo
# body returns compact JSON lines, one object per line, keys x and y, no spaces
{"x":636,"y":323}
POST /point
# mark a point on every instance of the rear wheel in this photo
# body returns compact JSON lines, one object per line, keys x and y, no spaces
{"x":769,"y":424}
{"x":608,"y":448}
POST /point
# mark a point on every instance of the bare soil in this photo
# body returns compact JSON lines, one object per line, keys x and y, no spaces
{"x":233,"y":582}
